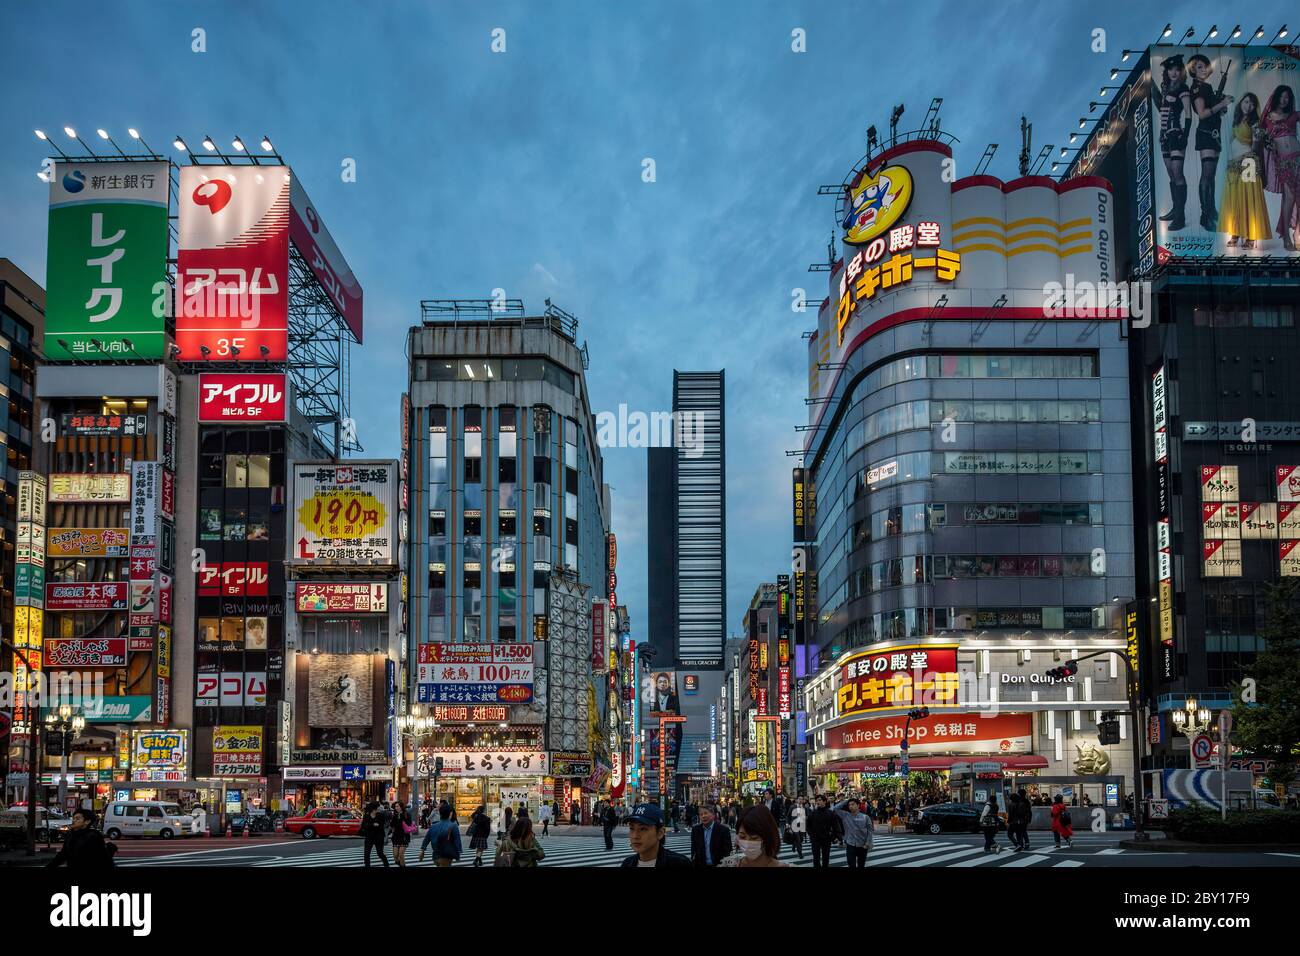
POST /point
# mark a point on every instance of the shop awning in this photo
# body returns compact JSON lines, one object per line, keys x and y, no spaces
{"x":878,"y":765}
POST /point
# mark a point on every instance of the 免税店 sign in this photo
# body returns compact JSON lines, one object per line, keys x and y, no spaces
{"x":938,"y":733}
{"x":242,"y":397}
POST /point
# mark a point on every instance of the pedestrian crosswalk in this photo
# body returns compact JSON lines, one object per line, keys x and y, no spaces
{"x":908,"y":850}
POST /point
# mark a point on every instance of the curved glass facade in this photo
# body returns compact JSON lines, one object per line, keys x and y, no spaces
{"x":961,"y":490}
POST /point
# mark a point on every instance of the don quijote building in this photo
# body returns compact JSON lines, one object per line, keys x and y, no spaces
{"x":964,"y":505}
{"x":160,"y":523}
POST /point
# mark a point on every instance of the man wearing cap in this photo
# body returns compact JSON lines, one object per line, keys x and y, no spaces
{"x":645,"y":827}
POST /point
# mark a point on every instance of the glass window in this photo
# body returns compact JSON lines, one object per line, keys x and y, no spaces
{"x":259,"y":471}
{"x":236,"y":471}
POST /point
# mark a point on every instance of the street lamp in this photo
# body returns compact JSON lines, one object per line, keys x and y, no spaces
{"x":416,"y":724}
{"x":63,"y":724}
{"x":1192,"y":720}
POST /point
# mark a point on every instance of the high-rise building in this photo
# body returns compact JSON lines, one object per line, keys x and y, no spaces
{"x":968,"y":519}
{"x":509,"y":547}
{"x":1216,"y":410}
{"x":22,"y":324}
{"x":687,"y":539}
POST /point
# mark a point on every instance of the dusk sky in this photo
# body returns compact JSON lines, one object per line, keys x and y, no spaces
{"x":523,"y":170}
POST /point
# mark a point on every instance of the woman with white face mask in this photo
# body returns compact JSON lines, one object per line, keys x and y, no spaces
{"x":757,"y":840}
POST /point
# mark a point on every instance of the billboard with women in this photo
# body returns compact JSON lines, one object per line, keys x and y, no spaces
{"x":1227,"y":178}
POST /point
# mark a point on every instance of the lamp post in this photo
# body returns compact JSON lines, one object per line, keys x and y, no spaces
{"x":416,"y":724}
{"x":1192,"y":720}
{"x":64,"y":724}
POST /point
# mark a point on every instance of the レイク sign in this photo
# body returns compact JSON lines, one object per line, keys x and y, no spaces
{"x":242,"y":397}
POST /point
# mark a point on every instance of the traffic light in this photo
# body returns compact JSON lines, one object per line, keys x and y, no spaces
{"x":918,"y":712}
{"x":437,"y":764}
{"x":1065,"y":671}
{"x":890,"y":768}
{"x":1108,"y":731}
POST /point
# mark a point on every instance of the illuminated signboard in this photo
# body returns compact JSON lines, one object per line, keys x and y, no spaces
{"x":876,"y":203}
{"x":1164,"y":534}
{"x":865,"y":274}
{"x":312,"y":598}
{"x":97,"y":596}
{"x":242,"y":397}
{"x":158,"y":755}
{"x":908,"y":676}
{"x":475,"y":673}
{"x":484,"y":713}
{"x":107,"y":488}
{"x":237,"y":751}
{"x":87,"y":543}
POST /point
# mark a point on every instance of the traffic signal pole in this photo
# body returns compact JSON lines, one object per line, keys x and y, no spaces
{"x":1139,"y":830}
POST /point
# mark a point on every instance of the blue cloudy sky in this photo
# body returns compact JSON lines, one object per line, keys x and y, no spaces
{"x":523,"y":170}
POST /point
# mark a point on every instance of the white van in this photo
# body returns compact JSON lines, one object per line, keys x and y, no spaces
{"x":145,"y":818}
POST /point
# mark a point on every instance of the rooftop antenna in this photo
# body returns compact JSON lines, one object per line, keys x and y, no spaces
{"x":931,"y":122}
{"x":872,"y":140}
{"x":830,"y":251}
{"x":1026,"y":138}
{"x":894,"y":117}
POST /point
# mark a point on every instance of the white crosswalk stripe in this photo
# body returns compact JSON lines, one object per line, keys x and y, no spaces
{"x":584,"y":851}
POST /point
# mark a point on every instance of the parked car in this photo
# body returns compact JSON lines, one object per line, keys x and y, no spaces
{"x":324,"y":822}
{"x":51,"y":825}
{"x":145,"y":818}
{"x":949,"y":818}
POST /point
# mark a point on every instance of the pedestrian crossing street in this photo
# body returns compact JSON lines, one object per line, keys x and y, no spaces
{"x":585,"y":851}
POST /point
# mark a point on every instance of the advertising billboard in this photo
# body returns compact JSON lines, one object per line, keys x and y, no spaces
{"x":323,"y":257}
{"x":663,"y":690}
{"x":237,"y":751}
{"x":232,"y":274}
{"x":475,"y":673}
{"x":344,"y":514}
{"x":93,"y":489}
{"x":97,"y":596}
{"x":243,"y":397}
{"x":948,"y":733}
{"x":491,"y":763}
{"x":106,"y":265}
{"x":1226,"y":177}
{"x":85,"y":652}
{"x":314,"y":598}
{"x":87,"y":543}
{"x":158,"y":755}
{"x":905,"y":676}
{"x":230,"y":689}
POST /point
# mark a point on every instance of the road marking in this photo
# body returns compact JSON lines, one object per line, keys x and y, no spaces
{"x":1068,"y":863}
{"x":1114,"y":851}
{"x":1028,"y":859}
{"x":987,"y":858}
{"x":946,"y":856}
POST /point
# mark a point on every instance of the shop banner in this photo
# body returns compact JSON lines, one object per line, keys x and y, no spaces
{"x":85,"y":652}
{"x":100,"y":596}
{"x":93,"y":489}
{"x":144,"y":498}
{"x":303,"y":774}
{"x":566,"y":763}
{"x":231,"y":689}
{"x":481,"y":713}
{"x":491,"y":763}
{"x":237,"y":750}
{"x":103,"y":426}
{"x":475,"y":673}
{"x":314,"y":598}
{"x":946,"y":733}
{"x":158,"y":754}
{"x":234,"y":579}
{"x":106,"y":261}
{"x":232,"y":276}
{"x":136,"y":708}
{"x":87,"y":543}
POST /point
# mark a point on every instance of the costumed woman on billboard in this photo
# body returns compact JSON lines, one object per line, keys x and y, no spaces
{"x":1174,"y":101}
{"x":1282,"y":161}
{"x":1210,"y":104}
{"x":1245,"y":215}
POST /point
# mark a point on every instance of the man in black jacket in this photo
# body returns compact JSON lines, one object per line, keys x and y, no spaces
{"x":824,"y":827}
{"x":609,"y":820}
{"x":710,"y":840}
{"x":83,"y":846}
{"x":645,"y":827}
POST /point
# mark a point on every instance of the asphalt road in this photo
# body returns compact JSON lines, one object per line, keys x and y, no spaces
{"x":587,"y":849}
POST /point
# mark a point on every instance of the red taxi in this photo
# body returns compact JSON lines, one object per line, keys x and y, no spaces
{"x":324,"y":822}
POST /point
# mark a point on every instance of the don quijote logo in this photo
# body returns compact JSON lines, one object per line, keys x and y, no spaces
{"x":875,"y":203}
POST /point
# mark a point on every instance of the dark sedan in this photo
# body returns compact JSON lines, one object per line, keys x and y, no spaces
{"x":949,"y":818}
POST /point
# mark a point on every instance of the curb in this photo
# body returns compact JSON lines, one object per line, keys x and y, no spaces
{"x":1183,"y":846}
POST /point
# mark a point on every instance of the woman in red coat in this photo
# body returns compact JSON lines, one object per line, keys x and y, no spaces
{"x":1061,"y":821}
